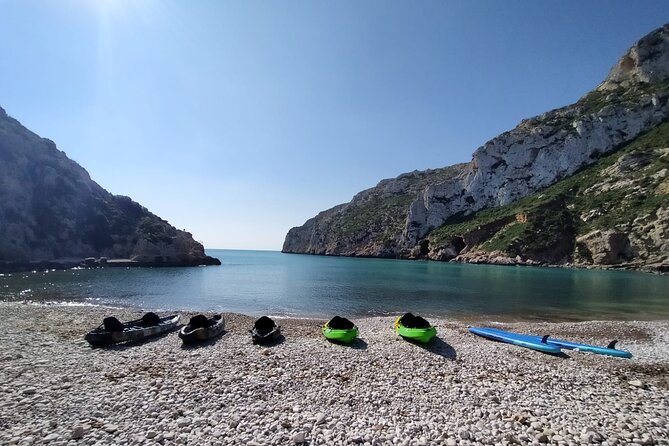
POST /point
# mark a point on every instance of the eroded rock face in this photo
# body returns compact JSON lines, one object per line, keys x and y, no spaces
{"x":604,"y":247}
{"x":371,"y":224}
{"x":545,"y":149}
{"x":646,"y":62}
{"x":536,"y":154}
{"x":50,"y":209}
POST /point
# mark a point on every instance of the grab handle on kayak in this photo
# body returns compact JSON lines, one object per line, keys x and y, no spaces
{"x":544,"y":339}
{"x":612,"y":344}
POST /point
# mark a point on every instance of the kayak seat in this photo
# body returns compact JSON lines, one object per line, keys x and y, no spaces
{"x":264,"y":325}
{"x":199,"y":321}
{"x":151,"y":319}
{"x":411,"y":321}
{"x":340,"y":323}
{"x":112,"y":324}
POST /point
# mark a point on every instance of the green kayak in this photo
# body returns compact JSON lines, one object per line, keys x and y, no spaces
{"x":340,"y":329}
{"x":421,"y":333}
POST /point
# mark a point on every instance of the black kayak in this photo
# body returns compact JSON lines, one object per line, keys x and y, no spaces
{"x":264,"y":331}
{"x":201,"y":328}
{"x":113,"y":331}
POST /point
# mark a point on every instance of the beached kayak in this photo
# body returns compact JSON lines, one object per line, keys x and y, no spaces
{"x":414,"y":328}
{"x":113,"y":331}
{"x":201,"y":328}
{"x":265,"y":331}
{"x":340,"y":329}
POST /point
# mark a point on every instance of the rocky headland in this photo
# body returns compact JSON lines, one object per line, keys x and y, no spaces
{"x":517,"y":200}
{"x":53,"y":215}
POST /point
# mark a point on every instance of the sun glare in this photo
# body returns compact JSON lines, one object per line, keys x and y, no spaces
{"x":144,"y":10}
{"x":109,"y":8}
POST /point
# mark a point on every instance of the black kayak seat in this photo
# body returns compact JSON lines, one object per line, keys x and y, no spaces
{"x":199,"y":321}
{"x":340,"y":323}
{"x":264,"y":325}
{"x":112,"y":324}
{"x":151,"y":319}
{"x":411,"y":321}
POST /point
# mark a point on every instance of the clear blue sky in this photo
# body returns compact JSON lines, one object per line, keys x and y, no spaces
{"x":238,"y":120}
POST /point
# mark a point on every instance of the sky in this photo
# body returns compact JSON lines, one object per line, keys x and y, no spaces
{"x":237,"y":120}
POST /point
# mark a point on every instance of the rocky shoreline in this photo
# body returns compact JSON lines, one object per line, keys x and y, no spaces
{"x":459,"y":390}
{"x":103,"y":262}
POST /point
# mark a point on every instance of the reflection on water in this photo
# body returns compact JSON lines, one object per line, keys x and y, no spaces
{"x":256,"y":282}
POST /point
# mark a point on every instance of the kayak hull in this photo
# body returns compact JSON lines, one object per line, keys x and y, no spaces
{"x":340,"y":335}
{"x":132,"y":331}
{"x":422,"y":335}
{"x":265,"y":338}
{"x":191,"y":335}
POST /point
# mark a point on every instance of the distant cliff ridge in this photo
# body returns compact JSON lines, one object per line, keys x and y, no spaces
{"x":51,"y":210}
{"x":396,"y":218}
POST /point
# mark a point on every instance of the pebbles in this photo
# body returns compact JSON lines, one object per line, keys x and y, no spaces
{"x":383,"y":391}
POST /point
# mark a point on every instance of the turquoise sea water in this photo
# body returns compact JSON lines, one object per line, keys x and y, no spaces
{"x":266,"y":282}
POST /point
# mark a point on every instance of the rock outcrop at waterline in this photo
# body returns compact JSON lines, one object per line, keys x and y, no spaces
{"x":396,"y":218}
{"x":52,"y":213}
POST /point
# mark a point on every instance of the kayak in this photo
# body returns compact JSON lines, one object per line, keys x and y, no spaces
{"x":264,"y":331}
{"x":201,"y":328}
{"x":113,"y":331}
{"x":521,"y":340}
{"x":609,"y":350}
{"x":414,"y":328}
{"x":340,"y":329}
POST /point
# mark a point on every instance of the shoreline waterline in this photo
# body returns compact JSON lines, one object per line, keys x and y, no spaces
{"x":253,"y":282}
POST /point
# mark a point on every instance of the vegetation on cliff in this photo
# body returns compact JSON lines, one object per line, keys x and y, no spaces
{"x":583,"y":184}
{"x":627,"y":192}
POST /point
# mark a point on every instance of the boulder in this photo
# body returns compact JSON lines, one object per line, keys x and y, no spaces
{"x":607,"y":247}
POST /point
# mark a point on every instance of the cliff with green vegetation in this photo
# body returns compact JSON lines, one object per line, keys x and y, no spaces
{"x":52,"y":214}
{"x":501,"y":207}
{"x":614,"y":213}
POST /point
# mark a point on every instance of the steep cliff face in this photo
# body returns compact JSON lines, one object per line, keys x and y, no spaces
{"x":51,"y":209}
{"x":541,"y":151}
{"x":547,"y":148}
{"x":371,"y":224}
{"x":613,"y":213}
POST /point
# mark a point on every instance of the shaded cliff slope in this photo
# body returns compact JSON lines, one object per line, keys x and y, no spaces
{"x":50,"y":209}
{"x":632,"y":100}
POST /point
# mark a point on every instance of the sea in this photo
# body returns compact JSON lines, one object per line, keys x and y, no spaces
{"x":277,"y":284}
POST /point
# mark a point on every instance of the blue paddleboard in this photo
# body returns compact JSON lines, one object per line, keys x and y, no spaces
{"x":610,"y":350}
{"x":533,"y":342}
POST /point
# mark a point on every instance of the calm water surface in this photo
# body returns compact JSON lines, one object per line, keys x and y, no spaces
{"x":258,"y":282}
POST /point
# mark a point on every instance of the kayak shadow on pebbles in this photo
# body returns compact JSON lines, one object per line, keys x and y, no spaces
{"x":131,"y":344}
{"x":357,"y":344}
{"x":437,"y":346}
{"x":202,"y":344}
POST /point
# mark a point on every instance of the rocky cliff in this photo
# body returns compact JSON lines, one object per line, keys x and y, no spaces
{"x":632,"y":100}
{"x":51,"y":210}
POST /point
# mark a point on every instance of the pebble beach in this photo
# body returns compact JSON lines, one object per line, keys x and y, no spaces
{"x":458,"y":390}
